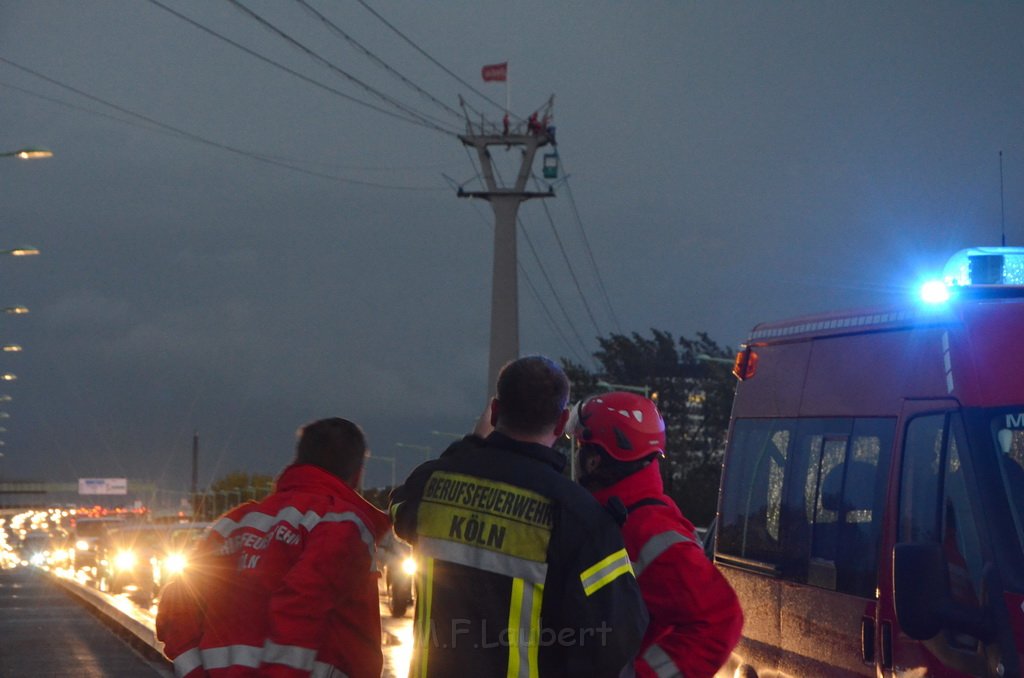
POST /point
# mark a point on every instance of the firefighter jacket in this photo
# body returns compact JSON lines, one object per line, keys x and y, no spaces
{"x":696,"y":618}
{"x":282,"y":587}
{"x":521,"y":571}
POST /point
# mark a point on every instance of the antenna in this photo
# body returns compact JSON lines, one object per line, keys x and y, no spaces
{"x":1002,"y":208}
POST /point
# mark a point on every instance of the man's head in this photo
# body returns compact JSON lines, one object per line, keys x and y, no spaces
{"x":531,"y":400}
{"x":618,"y":434}
{"x":336,"y":445}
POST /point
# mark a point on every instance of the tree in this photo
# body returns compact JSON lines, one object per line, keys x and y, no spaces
{"x":693,"y":387}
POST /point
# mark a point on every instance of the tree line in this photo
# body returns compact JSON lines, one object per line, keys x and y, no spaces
{"x":689,"y":378}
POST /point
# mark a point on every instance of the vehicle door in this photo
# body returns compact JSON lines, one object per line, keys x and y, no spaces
{"x":832,"y":522}
{"x":938,"y":523}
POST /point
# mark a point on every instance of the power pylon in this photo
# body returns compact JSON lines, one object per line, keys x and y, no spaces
{"x":505,"y":201}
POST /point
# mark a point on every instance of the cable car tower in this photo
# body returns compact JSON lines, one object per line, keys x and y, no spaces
{"x":530,"y":135}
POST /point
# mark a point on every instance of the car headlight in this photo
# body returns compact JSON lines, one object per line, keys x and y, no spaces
{"x":37,"y":559}
{"x":82,"y":545}
{"x":175,"y":563}
{"x":409,"y":565}
{"x":125,"y":560}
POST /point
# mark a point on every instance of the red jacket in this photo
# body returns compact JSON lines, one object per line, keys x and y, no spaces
{"x":696,"y":618}
{"x":282,"y":587}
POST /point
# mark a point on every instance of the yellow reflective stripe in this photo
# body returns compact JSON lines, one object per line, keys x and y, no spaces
{"x":422,"y":631}
{"x":524,"y":629}
{"x":393,"y":511}
{"x":515,"y":609}
{"x":538,"y":598}
{"x":606,"y":571}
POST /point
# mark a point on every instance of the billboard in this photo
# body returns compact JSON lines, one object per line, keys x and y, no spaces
{"x":102,"y":486}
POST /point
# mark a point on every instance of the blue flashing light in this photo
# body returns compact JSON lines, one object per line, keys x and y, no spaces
{"x":934,"y":292}
{"x":1001,"y":266}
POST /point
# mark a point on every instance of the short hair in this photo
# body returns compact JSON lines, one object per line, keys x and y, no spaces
{"x":336,"y":445}
{"x":532,"y":392}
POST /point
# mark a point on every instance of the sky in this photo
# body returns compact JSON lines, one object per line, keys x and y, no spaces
{"x":240,"y":230}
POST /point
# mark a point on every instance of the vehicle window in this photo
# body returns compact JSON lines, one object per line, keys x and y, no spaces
{"x":935,"y":506}
{"x":751,"y":511}
{"x":919,"y":486}
{"x":834,"y":523}
{"x":1008,"y":430}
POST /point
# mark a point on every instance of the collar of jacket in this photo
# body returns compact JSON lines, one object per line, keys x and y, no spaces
{"x":636,"y":486}
{"x":310,"y":478}
{"x":541,"y":453}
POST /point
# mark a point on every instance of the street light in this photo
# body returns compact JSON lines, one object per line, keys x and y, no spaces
{"x":7,"y":376}
{"x":10,"y":348}
{"x":425,"y":449}
{"x":646,"y":390}
{"x":390,"y":460}
{"x":5,"y":398}
{"x":4,"y":415}
{"x":27,"y":251}
{"x":15,"y":310}
{"x":28,"y":153}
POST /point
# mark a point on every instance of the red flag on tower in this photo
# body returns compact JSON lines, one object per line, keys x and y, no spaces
{"x":495,"y":72}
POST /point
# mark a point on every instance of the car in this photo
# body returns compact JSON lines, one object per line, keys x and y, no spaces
{"x":87,"y":534}
{"x":398,"y":566}
{"x":139,"y":559}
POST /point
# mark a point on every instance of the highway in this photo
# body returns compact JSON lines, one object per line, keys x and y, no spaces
{"x":57,"y":619}
{"x":45,"y":631}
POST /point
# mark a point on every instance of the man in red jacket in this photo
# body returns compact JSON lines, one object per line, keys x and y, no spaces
{"x":696,"y":618}
{"x":286,"y":586}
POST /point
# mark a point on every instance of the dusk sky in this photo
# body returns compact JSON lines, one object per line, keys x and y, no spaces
{"x":237,"y":238}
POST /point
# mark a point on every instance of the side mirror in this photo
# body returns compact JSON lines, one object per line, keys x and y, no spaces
{"x":924,"y":604}
{"x":920,"y":588}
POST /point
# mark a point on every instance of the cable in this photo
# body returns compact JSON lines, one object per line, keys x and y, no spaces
{"x":424,"y":119}
{"x":282,"y":67}
{"x":209,"y":142}
{"x":565,"y":258}
{"x":432,"y":60}
{"x":335,"y":28}
{"x":590,"y":254}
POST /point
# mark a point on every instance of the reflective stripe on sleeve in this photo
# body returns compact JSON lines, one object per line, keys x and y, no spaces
{"x":599,"y":575}
{"x":292,"y":656}
{"x":484,"y":559}
{"x":186,"y":662}
{"x":296,"y":518}
{"x":232,"y":655}
{"x":661,"y":663}
{"x":655,"y":546}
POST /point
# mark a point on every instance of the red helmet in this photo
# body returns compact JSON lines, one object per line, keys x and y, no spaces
{"x":626,"y":425}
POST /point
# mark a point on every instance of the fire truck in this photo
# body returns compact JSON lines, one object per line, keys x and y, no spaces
{"x":871,"y":512}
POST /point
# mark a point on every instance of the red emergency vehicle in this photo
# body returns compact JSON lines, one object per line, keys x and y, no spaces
{"x":871,"y":514}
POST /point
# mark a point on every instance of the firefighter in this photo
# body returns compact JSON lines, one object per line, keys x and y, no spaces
{"x":522,"y":573}
{"x":695,"y":615}
{"x":286,"y":586}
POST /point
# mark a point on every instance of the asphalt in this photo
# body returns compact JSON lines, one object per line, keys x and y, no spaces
{"x":45,"y":631}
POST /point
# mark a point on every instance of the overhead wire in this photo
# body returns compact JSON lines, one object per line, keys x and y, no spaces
{"x":377,"y":60}
{"x":565,"y":258}
{"x":432,"y":60}
{"x":590,"y":255}
{"x":425,"y":120}
{"x":282,"y":67}
{"x":209,"y":142}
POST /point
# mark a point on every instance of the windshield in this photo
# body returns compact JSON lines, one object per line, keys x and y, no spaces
{"x":1007,"y":428}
